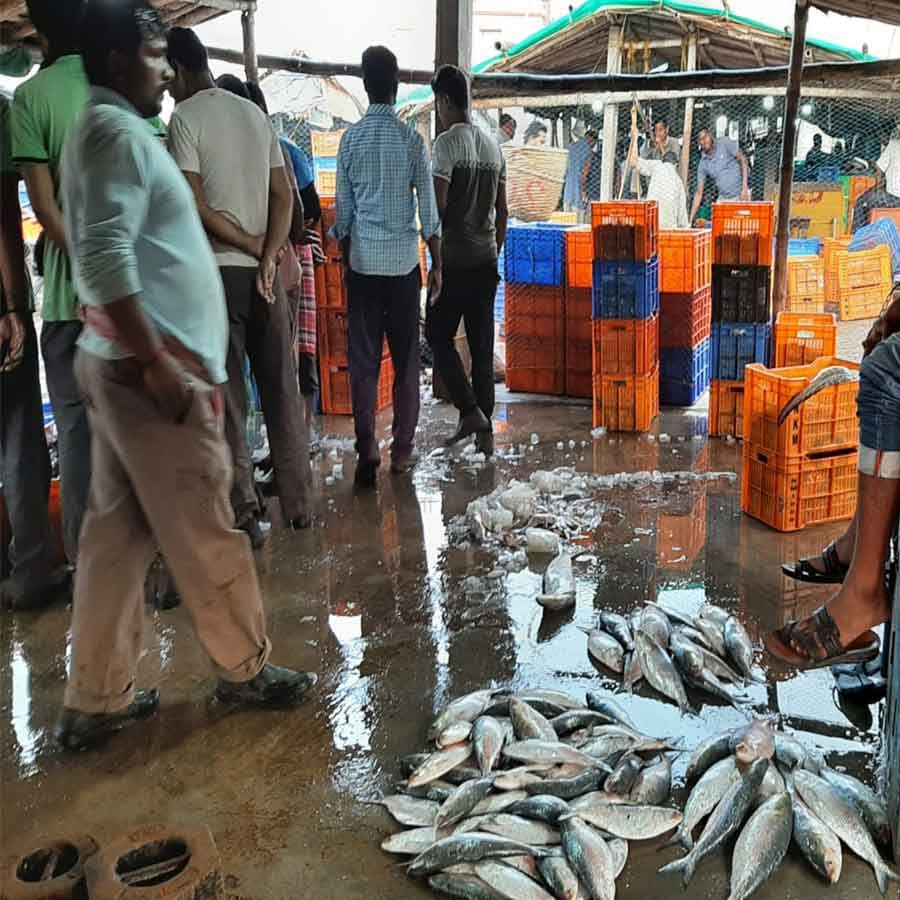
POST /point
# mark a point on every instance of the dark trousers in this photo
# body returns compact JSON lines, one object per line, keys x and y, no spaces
{"x":25,"y":468}
{"x":262,"y":332}
{"x":58,"y":345}
{"x":468,"y":295}
{"x":872,"y":199}
{"x":379,"y":305}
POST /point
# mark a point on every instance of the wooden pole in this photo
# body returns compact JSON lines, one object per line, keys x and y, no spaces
{"x":453,"y":33}
{"x":789,"y":138}
{"x":687,"y":136}
{"x":611,"y":116}
{"x":248,"y":28}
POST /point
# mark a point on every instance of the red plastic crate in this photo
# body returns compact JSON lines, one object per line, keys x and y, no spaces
{"x":685,"y":261}
{"x":685,"y":319}
{"x":331,"y":292}
{"x":792,"y":494}
{"x":579,"y":356}
{"x":802,"y":339}
{"x":726,"y":409}
{"x":625,"y":231}
{"x":578,"y":306}
{"x":579,"y":384}
{"x":579,"y":258}
{"x":626,"y":346}
{"x":626,"y":402}
{"x":743,"y":233}
{"x":535,"y":380}
{"x":335,"y":387}
{"x":535,"y":311}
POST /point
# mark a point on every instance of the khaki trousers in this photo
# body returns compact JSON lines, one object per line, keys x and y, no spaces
{"x":166,"y":485}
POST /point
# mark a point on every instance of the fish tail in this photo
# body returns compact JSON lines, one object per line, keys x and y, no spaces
{"x":682,"y":838}
{"x":683,"y":867}
{"x":884,"y":874}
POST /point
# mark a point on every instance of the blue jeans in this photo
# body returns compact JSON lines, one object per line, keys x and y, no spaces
{"x":878,"y":407}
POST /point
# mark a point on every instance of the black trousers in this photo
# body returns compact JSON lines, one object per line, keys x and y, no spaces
{"x":468,"y":295}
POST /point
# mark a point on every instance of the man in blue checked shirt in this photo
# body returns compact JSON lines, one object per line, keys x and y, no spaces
{"x":383,"y":176}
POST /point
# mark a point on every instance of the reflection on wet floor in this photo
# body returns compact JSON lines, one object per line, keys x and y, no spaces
{"x":398,"y":620}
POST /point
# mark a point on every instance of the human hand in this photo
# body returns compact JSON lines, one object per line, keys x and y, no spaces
{"x":12,"y":341}
{"x":746,"y":195}
{"x":435,"y":284}
{"x":265,"y":277}
{"x":167,"y":384}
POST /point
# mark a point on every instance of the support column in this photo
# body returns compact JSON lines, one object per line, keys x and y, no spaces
{"x":611,"y":116}
{"x":789,"y":140}
{"x":248,"y":28}
{"x":687,"y":138}
{"x":453,"y":33}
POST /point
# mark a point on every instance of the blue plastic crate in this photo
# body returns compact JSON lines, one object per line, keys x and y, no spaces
{"x":828,"y":173}
{"x":734,"y":345}
{"x":325,"y":164}
{"x":535,"y":254}
{"x":684,"y":374}
{"x":626,"y":290}
{"x":804,"y":246}
{"x":884,"y":231}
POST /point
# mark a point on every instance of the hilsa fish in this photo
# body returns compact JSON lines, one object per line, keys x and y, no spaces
{"x":828,"y":377}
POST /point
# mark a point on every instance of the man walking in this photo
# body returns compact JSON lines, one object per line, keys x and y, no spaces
{"x":723,"y":161}
{"x":24,"y":460}
{"x":470,"y":186}
{"x":150,"y":362}
{"x":232,"y":159}
{"x":579,"y":153}
{"x":382,"y":177}
{"x":44,"y":110}
{"x":886,"y":192}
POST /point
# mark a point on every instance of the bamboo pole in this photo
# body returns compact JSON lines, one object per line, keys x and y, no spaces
{"x":789,"y":137}
{"x":248,"y":29}
{"x":611,"y":117}
{"x":687,"y":138}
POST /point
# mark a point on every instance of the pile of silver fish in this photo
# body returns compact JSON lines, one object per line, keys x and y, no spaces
{"x":530,"y":796}
{"x":670,"y":650}
{"x":766,"y":788}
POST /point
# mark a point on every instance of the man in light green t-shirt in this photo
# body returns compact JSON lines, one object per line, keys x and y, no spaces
{"x":43,"y":112}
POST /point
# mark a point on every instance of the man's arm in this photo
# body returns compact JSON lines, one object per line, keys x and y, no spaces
{"x":501,"y":212}
{"x":698,"y":195}
{"x":344,"y":202}
{"x":219,"y":226}
{"x":281,"y":211}
{"x":12,"y":274}
{"x":441,"y":193}
{"x":430,"y":219}
{"x":42,"y":192}
{"x":745,"y":173}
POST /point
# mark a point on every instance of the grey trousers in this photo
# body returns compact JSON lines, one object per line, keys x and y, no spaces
{"x":25,"y":469}
{"x":262,"y":332}
{"x":58,"y":346}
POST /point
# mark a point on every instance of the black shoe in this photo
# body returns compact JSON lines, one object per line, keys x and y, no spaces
{"x":366,"y":472}
{"x":273,"y":686}
{"x":484,"y":443}
{"x":80,"y":731}
{"x":402,"y":465}
{"x":474,"y":422}
{"x":257,"y":530}
{"x":302,"y":522}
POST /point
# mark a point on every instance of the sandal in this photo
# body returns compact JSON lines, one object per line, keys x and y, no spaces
{"x":803,"y":569}
{"x":799,"y":648}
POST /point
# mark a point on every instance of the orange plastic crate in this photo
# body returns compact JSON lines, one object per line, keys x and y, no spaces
{"x":325,"y":144}
{"x":726,"y":409}
{"x":876,"y":215}
{"x":579,"y":383}
{"x":335,"y":387}
{"x":792,"y":494}
{"x":865,"y":280}
{"x":330,"y":290}
{"x":806,"y":284}
{"x":326,"y":183}
{"x":578,"y":305}
{"x":579,"y":358}
{"x":626,"y":346}
{"x":831,"y":247}
{"x":685,"y":261}
{"x":331,"y":328}
{"x":681,"y":539}
{"x":743,"y":233}
{"x":579,"y":257}
{"x":330,"y":247}
{"x":626,"y":402}
{"x":536,"y":381}
{"x":534,"y":353}
{"x":535,"y":311}
{"x":863,"y":303}
{"x":825,"y":423}
{"x":627,"y":230}
{"x":423,"y":261}
{"x":801,"y":339}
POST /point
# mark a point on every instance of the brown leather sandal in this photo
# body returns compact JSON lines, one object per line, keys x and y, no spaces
{"x":802,"y":648}
{"x":803,"y":570}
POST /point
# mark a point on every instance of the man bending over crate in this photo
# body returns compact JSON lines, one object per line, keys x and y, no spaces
{"x":470,"y":185}
{"x":840,"y":632}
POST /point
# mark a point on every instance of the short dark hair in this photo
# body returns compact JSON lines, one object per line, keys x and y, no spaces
{"x":506,"y":119}
{"x":187,"y":50}
{"x":233,"y":85}
{"x":817,"y":137}
{"x":591,"y":132}
{"x":535,"y":128}
{"x":452,"y":83}
{"x":662,"y":122}
{"x":110,"y":25}
{"x":59,"y":21}
{"x":381,"y":74}
{"x":255,"y":94}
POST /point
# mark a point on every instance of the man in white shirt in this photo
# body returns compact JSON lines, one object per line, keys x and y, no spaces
{"x":666,"y":186}
{"x":231,"y":157}
{"x":886,"y":193}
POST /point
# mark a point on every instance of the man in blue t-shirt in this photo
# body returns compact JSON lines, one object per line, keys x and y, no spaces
{"x":724,"y":162}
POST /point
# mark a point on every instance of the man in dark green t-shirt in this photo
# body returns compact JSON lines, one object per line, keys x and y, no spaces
{"x":43,"y":112}
{"x":24,"y":460}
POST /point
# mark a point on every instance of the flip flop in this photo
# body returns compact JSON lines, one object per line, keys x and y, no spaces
{"x":803,"y":569}
{"x":825,"y":636}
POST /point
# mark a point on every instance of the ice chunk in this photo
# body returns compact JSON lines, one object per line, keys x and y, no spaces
{"x":665,"y":439}
{"x":560,"y":445}
{"x":535,"y":439}
{"x":542,"y":541}
{"x":571,"y":445}
{"x":477,"y":458}
{"x":520,"y":499}
{"x":333,"y":454}
{"x":329,"y":480}
{"x":337,"y":471}
{"x":598,"y":433}
{"x":651,"y":438}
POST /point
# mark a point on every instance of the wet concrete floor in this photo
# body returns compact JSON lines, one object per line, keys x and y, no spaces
{"x":375,"y":600}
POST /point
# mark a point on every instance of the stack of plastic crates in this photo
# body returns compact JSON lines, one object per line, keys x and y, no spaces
{"x":741,"y":331}
{"x":864,"y":282}
{"x":685,"y":311}
{"x":331,"y":330}
{"x":534,"y":309}
{"x":578,"y":306}
{"x":500,"y":298}
{"x":801,"y":339}
{"x":626,"y":314}
{"x":804,"y":471}
{"x":325,"y":146}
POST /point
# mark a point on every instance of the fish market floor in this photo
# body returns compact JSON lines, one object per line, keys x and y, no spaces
{"x":398,"y":617}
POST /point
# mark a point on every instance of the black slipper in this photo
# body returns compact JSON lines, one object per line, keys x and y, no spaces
{"x":803,"y":569}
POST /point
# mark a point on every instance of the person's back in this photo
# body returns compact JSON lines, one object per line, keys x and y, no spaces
{"x":474,"y":166}
{"x":231,"y":145}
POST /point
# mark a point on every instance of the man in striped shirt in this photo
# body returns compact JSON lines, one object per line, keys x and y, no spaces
{"x":383,"y":178}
